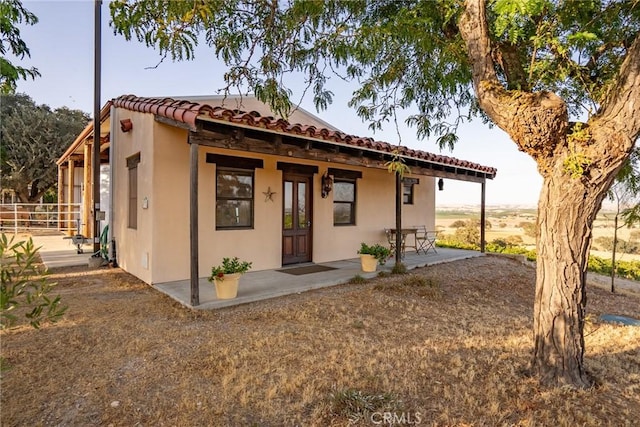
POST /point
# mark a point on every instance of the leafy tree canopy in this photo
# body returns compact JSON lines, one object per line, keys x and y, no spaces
{"x":33,"y":138}
{"x":402,"y":53}
{"x":12,"y":13}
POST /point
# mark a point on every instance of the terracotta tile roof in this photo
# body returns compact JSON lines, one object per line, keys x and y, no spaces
{"x":188,"y":112}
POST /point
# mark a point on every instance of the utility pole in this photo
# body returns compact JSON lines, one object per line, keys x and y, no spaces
{"x":97,"y":54}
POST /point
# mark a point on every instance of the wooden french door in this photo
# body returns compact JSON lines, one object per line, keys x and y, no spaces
{"x":296,"y":221}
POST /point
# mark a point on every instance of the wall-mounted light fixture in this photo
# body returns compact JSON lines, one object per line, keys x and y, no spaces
{"x":327,"y":185}
{"x":126,"y":125}
{"x":441,"y":184}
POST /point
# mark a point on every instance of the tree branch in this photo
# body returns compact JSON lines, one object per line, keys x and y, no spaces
{"x":475,"y":32}
{"x":622,"y":106}
{"x":536,"y":121}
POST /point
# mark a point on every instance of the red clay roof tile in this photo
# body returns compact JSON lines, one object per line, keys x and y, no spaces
{"x":188,"y":112}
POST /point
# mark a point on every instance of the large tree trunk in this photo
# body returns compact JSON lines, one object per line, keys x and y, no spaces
{"x":578,"y":166}
{"x":565,"y":218}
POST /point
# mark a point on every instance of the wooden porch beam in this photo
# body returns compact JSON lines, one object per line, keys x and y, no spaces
{"x":445,"y":174}
{"x":331,"y":153}
{"x":170,"y":122}
{"x":260,"y":146}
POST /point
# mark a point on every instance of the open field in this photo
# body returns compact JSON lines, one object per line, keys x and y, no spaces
{"x":508,"y":222}
{"x":447,"y":345}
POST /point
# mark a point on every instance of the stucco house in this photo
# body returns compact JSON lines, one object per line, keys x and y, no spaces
{"x":197,"y":179}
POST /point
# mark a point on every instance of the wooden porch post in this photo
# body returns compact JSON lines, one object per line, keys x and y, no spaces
{"x":70,"y":196}
{"x":398,"y":218}
{"x":193,"y":223}
{"x":87,"y":193}
{"x":482,"y":216}
{"x":61,"y":216}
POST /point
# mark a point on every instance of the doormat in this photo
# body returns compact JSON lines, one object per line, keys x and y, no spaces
{"x":307,"y":269}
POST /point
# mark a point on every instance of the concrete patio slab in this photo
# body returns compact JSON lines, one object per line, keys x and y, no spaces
{"x":56,"y":251}
{"x":261,"y":285}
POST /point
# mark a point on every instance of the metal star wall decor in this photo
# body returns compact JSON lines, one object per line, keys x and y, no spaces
{"x":268,"y":195}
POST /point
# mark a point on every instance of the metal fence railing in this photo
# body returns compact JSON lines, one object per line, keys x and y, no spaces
{"x":18,"y":217}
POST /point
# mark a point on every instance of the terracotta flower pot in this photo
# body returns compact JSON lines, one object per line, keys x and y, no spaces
{"x":369,"y":263}
{"x":227,"y":287}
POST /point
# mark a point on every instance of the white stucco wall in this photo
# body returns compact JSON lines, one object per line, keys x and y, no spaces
{"x":133,"y":246}
{"x":158,"y":250}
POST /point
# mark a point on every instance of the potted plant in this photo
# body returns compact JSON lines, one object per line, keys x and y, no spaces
{"x":372,"y":255}
{"x":226,"y":276}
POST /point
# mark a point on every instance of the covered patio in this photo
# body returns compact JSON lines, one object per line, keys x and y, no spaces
{"x":266,"y":284}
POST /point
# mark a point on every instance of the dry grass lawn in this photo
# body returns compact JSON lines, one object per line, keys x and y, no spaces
{"x":446,"y":345}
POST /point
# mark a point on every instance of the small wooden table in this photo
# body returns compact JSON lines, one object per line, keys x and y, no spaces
{"x":406,"y":232}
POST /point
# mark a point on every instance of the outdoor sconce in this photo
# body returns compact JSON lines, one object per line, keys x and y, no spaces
{"x":327,"y":185}
{"x":441,"y":184}
{"x":126,"y":125}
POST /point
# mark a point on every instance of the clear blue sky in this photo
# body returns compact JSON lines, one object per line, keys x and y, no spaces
{"x":61,"y":47}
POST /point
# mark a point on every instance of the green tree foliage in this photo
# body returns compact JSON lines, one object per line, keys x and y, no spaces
{"x":469,"y":234}
{"x":470,"y":223}
{"x":25,"y":289}
{"x":13,"y":13}
{"x":605,"y":243}
{"x":526,"y":66}
{"x":33,"y":138}
{"x":529,"y":228}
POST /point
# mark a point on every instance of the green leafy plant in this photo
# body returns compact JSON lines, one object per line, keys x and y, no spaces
{"x":379,"y":252}
{"x":576,"y":164}
{"x":399,"y":268}
{"x":397,"y":165}
{"x":25,"y":287}
{"x":357,"y":280}
{"x":229,"y":266}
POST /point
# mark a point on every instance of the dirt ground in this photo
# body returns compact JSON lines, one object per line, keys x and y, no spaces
{"x":446,"y":345}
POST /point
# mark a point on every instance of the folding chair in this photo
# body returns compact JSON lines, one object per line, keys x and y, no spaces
{"x":426,"y":240}
{"x":391,"y":239}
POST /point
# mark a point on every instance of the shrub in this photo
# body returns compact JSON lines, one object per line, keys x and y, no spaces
{"x":529,"y":228}
{"x":357,"y":280}
{"x":469,"y":234}
{"x":604,"y":242}
{"x":25,"y":286}
{"x":624,"y":269}
{"x":514,"y":240}
{"x":358,"y":406}
{"x":399,"y":268}
{"x":449,"y":242}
